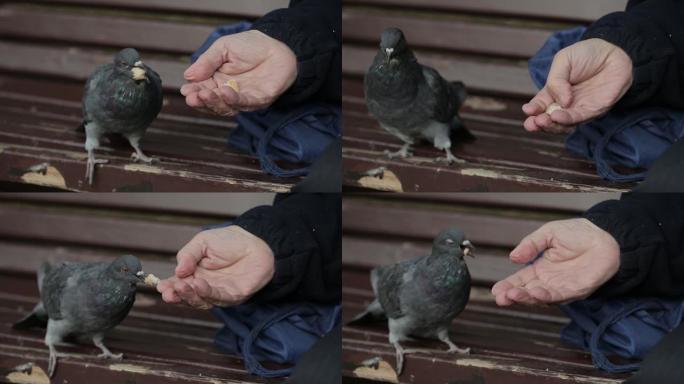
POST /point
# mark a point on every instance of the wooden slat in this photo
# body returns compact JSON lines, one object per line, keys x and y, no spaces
{"x":102,"y":231}
{"x":378,"y":219}
{"x":27,"y":256}
{"x":143,"y":34}
{"x":76,"y":63}
{"x":489,"y":39}
{"x":477,"y":75}
{"x":223,"y":206}
{"x":567,"y":202}
{"x":585,"y":10}
{"x":253,"y":8}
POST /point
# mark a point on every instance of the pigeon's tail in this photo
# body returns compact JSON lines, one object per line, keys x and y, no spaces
{"x":37,"y":318}
{"x":372,"y":314}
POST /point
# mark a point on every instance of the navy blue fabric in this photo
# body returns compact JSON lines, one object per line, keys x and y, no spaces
{"x":279,"y":333}
{"x":297,"y":135}
{"x":628,"y":327}
{"x":632,"y":139}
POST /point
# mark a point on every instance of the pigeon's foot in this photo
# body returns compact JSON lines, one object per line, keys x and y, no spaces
{"x":141,"y":157}
{"x":449,"y":158}
{"x":403,"y":153}
{"x":90,"y":167}
{"x":110,"y":356}
{"x":106,"y":353}
{"x":52,"y":361}
{"x":400,"y":352}
{"x":454,"y":349}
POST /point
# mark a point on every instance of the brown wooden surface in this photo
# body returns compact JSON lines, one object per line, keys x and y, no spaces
{"x":509,"y":345}
{"x":486,"y":45}
{"x":583,"y":10}
{"x":41,"y":83}
{"x":162,"y":343}
{"x":502,"y":158}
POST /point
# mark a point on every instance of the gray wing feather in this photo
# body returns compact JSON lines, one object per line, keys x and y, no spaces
{"x":389,"y":282}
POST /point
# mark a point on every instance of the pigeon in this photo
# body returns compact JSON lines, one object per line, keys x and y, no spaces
{"x":84,"y":300}
{"x":122,"y":97}
{"x":422,"y":296}
{"x":413,"y":101}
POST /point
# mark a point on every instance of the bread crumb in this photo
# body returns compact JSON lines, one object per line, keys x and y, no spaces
{"x":553,"y":107}
{"x":233,"y":84}
{"x":151,"y":280}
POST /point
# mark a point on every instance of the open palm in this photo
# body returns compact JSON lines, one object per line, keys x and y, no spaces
{"x":262,"y":68}
{"x":578,"y":257}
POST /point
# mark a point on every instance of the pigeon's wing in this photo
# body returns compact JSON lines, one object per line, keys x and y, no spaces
{"x":55,"y":283}
{"x":388,"y":285}
{"x":441,"y":98}
{"x":91,"y":88}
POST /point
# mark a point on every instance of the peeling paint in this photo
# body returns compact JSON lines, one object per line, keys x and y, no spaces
{"x":388,"y":182}
{"x":77,"y":155}
{"x":384,"y":373}
{"x":50,"y":178}
{"x":129,"y":368}
{"x":486,"y":364}
{"x":143,"y":168}
{"x":484,"y":104}
{"x":37,"y":376}
{"x":481,"y":173}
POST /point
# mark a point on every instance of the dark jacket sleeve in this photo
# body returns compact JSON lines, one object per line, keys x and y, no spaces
{"x":304,"y":233}
{"x":312,"y":29}
{"x":650,"y":231}
{"x":652,"y":34}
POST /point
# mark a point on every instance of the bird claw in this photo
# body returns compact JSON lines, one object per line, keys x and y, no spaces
{"x":449,"y":158}
{"x":90,"y":168}
{"x":403,"y":153}
{"x":461,"y":351}
{"x":140,"y":157}
{"x":112,"y":356}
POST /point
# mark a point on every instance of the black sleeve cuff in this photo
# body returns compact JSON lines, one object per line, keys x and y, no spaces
{"x":291,"y":248}
{"x":638,"y":239}
{"x":313,"y":39}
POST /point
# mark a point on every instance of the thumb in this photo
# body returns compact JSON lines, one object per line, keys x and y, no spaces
{"x":557,"y":83}
{"x":532,"y":245}
{"x":189,"y":256}
{"x":207,"y":64}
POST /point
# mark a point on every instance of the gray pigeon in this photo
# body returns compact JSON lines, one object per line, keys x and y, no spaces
{"x":422,"y":296}
{"x":83,"y":300}
{"x":122,"y":97}
{"x":412,"y":101}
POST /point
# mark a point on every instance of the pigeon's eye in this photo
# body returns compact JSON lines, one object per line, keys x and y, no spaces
{"x":124,"y":269}
{"x":449,"y":241}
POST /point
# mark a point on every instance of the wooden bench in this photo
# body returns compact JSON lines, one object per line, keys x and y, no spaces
{"x":509,"y":345}
{"x":49,"y":48}
{"x":161,"y":343}
{"x":486,"y":44}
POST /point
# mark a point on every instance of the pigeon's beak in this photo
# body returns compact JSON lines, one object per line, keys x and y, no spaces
{"x":139,"y":72}
{"x":141,"y":275}
{"x":468,"y":248}
{"x":388,"y":54}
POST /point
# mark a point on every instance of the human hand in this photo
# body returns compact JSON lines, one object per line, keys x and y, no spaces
{"x":262,"y":67}
{"x":578,"y":258}
{"x":586,"y":79}
{"x":223,"y":266}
